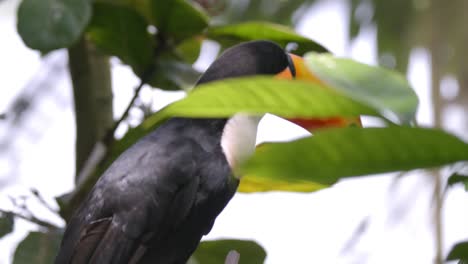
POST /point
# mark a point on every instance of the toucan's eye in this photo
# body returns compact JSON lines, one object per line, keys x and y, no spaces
{"x":291,"y":66}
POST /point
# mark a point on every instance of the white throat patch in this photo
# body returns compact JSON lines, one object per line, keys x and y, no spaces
{"x":238,"y":139}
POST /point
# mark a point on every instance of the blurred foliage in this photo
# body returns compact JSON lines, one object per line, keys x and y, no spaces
{"x":6,"y":223}
{"x":402,"y":25}
{"x":129,"y":41}
{"x":38,"y":247}
{"x":459,"y":252}
{"x":276,"y":11}
{"x":48,"y":24}
{"x":457,"y":178}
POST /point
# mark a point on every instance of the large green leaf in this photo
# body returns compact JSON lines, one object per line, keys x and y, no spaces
{"x":459,"y":252}
{"x":46,"y":25}
{"x":378,"y":87}
{"x":215,"y":252}
{"x":122,"y":32}
{"x":38,"y":248}
{"x":333,"y":154}
{"x":178,"y":18}
{"x":232,"y":34}
{"x":260,"y":95}
{"x":6,"y":223}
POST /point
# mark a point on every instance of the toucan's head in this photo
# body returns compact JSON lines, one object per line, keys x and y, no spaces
{"x":258,"y":58}
{"x":250,"y":58}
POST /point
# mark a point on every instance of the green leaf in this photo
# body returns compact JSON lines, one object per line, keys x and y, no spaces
{"x":458,"y":178}
{"x":47,"y":25}
{"x":459,"y":252}
{"x":260,"y":95}
{"x":189,"y":49}
{"x":173,"y":74}
{"x":337,"y":153}
{"x":215,"y":252}
{"x":179,"y":19}
{"x":122,"y":32}
{"x":38,"y":248}
{"x":6,"y":224}
{"x":232,"y":34}
{"x":378,"y":87}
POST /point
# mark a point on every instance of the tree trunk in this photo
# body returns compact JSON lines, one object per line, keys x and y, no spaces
{"x":92,"y":91}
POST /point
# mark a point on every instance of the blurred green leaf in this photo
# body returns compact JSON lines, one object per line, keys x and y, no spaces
{"x":260,"y":95}
{"x":277,"y":11}
{"x":173,"y":74}
{"x":458,"y":178}
{"x":179,"y":19}
{"x":459,"y":252}
{"x":354,"y":25}
{"x":38,"y":248}
{"x":189,"y":49}
{"x":122,"y":32}
{"x":392,"y":34}
{"x":337,"y":153}
{"x":215,"y":252}
{"x":47,"y":25}
{"x":6,"y":224}
{"x":233,"y":34}
{"x":378,"y":87}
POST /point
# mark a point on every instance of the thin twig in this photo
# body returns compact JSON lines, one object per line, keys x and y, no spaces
{"x":41,"y":199}
{"x":31,"y":218}
{"x":232,"y":257}
{"x":145,"y":78}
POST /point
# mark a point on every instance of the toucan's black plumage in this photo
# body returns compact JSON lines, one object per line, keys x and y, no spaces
{"x":159,"y":198}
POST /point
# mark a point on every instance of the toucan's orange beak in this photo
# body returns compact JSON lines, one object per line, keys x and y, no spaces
{"x":311,"y":124}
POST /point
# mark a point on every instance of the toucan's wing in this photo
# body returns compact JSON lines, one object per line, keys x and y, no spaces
{"x":147,"y":210}
{"x":103,"y":241}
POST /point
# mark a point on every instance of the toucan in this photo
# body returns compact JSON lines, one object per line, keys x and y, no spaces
{"x":157,"y":200}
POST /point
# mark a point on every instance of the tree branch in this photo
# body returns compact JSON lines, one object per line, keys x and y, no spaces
{"x":92,"y":93}
{"x":41,"y":199}
{"x":437,"y":64}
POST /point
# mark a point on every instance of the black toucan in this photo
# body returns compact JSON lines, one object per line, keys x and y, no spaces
{"x":157,"y":200}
